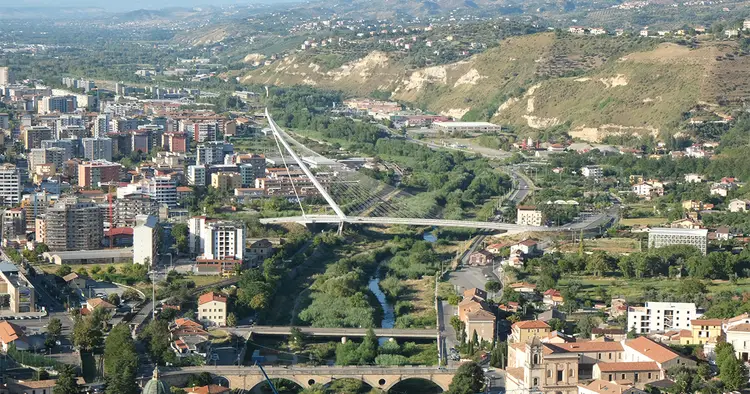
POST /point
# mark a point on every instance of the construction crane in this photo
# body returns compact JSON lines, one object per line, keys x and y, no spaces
{"x":270,"y":383}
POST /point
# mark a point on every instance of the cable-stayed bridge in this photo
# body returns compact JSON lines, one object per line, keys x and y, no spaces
{"x":358,"y":199}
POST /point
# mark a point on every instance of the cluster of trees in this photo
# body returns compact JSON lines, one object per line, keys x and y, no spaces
{"x":669,"y":261}
{"x":418,"y":259}
{"x":128,"y":273}
{"x":340,"y":297}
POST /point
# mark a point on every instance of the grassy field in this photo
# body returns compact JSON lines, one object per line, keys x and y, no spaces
{"x":643,"y":221}
{"x":609,"y":245}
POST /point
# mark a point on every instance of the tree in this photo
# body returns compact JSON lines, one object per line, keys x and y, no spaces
{"x":586,"y":324}
{"x":180,"y":235}
{"x":63,"y":270}
{"x":556,"y":324}
{"x":66,"y":382}
{"x":231,"y":319}
{"x":114,"y":299}
{"x":130,"y":295}
{"x":460,"y":328}
{"x":468,"y":379}
{"x":368,"y":349}
{"x":492,"y":286}
{"x":156,"y":337}
{"x":87,"y":333}
{"x":499,"y":355}
{"x":54,"y":330}
{"x":120,"y":362}
{"x":733,"y":374}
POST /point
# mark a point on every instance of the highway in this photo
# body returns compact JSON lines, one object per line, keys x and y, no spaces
{"x":336,"y":332}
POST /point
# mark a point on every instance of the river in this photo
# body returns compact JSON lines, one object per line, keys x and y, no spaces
{"x":389,"y":315}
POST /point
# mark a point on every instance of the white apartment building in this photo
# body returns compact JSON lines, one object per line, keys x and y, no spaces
{"x":528,"y":216}
{"x":161,"y":188}
{"x":212,"y":309}
{"x":660,"y":237}
{"x":210,"y":153}
{"x":661,"y":317}
{"x":694,"y":178}
{"x":196,"y":175}
{"x":216,"y":239}
{"x":6,"y":76}
{"x":592,"y":172}
{"x":10,"y":185}
{"x":102,"y":125}
{"x":145,"y":236}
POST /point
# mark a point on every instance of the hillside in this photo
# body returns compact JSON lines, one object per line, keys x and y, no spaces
{"x":597,"y":86}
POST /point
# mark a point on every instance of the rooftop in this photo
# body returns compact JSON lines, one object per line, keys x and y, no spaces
{"x":628,"y":367}
{"x":208,"y":297}
{"x":651,"y":349}
{"x":701,"y":232}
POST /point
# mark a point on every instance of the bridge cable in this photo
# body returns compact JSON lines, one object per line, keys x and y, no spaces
{"x":289,"y":174}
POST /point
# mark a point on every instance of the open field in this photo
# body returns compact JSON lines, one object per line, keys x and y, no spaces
{"x":643,"y":221}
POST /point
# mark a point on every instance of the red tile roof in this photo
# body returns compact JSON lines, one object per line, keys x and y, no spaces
{"x":651,"y":349}
{"x":208,"y":297}
{"x":529,"y":324}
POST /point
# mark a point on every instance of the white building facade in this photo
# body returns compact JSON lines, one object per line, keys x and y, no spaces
{"x":662,"y":316}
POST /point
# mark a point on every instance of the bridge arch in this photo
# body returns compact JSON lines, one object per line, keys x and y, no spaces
{"x":359,"y":381}
{"x":439,"y":386}
{"x":277,"y":382}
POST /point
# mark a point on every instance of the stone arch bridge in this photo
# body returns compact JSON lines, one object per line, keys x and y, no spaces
{"x":247,"y":377}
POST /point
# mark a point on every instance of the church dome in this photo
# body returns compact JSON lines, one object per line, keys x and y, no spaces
{"x":155,"y":386}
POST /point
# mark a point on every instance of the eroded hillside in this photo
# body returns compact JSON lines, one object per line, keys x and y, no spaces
{"x":598,"y":87}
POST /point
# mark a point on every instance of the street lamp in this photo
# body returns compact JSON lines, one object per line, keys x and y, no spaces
{"x":153,"y":293}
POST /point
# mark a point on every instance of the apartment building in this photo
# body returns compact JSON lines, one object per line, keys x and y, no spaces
{"x":62,"y":104}
{"x":33,"y":136}
{"x":54,"y":156}
{"x":10,"y":185}
{"x":212,"y":309}
{"x":14,"y":224}
{"x":662,"y":316}
{"x":524,"y":330}
{"x":226,"y":181}
{"x":212,"y":152}
{"x":163,"y":189}
{"x":18,"y":287}
{"x":131,"y":205}
{"x":73,"y":225}
{"x":660,"y":237}
{"x":220,"y":245}
{"x":97,"y":172}
{"x":528,"y":215}
{"x":146,"y":240}
{"x":97,"y":148}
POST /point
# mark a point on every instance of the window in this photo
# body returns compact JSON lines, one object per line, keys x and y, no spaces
{"x":623,"y":376}
{"x":536,"y":359}
{"x":610,"y":356}
{"x":610,"y":377}
{"x":649,"y":375}
{"x":635,"y":378}
{"x":571,"y":373}
{"x":549,"y":373}
{"x":560,"y":375}
{"x":536,"y":382}
{"x":599,"y":356}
